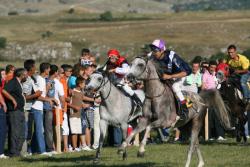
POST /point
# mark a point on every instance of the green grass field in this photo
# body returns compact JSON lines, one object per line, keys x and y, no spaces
{"x":226,"y":154}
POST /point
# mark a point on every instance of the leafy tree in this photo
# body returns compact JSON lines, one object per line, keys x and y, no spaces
{"x":106,"y":16}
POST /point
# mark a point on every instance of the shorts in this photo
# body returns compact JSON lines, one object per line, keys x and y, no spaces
{"x":75,"y":125}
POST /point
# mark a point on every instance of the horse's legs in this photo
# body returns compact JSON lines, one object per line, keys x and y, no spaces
{"x":139,"y":128}
{"x":143,"y":142}
{"x":198,"y":151}
{"x":143,"y":122}
{"x":196,"y":126}
{"x":122,"y":149}
{"x":103,"y":129}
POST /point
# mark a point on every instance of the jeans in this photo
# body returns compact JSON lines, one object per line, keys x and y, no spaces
{"x":17,"y":131}
{"x":3,"y":130}
{"x":243,"y":81}
{"x":84,"y":121}
{"x":117,"y":136}
{"x":38,"y":142}
{"x":29,"y":121}
{"x":48,"y":130}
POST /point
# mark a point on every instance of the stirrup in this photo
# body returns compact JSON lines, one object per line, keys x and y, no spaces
{"x":189,"y":103}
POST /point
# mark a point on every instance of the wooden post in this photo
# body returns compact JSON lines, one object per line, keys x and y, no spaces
{"x":58,"y":131}
{"x":206,"y":126}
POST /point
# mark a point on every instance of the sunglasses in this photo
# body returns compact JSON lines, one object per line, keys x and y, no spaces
{"x":155,"y":49}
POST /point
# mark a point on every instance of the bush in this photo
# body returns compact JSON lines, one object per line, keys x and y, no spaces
{"x":3,"y":42}
{"x":12,"y":13}
{"x":106,"y":16}
{"x":47,"y":34}
{"x":71,"y":10}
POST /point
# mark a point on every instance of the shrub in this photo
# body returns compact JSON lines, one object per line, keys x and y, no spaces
{"x":106,"y":16}
{"x":46,"y":34}
{"x":3,"y":42}
{"x":71,"y":10}
{"x":12,"y":13}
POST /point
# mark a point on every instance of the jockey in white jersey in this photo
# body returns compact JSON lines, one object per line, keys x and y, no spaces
{"x":118,"y":67}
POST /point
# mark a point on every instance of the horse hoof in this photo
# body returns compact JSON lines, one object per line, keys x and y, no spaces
{"x":124,"y":156}
{"x":120,"y":151}
{"x":140,"y":154}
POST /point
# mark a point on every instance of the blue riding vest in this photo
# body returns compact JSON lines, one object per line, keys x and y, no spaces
{"x":171,"y":63}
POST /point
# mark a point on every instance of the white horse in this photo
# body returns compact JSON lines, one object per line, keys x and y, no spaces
{"x":115,"y":108}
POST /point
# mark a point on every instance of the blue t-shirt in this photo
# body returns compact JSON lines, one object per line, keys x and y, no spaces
{"x":72,"y":82}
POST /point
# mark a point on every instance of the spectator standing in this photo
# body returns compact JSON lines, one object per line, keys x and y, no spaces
{"x":9,"y":70}
{"x":75,"y":111}
{"x":3,"y":121}
{"x":31,"y":93}
{"x":48,"y":108}
{"x":15,"y":101}
{"x":66,"y":71}
{"x":209,"y":81}
{"x":38,"y":142}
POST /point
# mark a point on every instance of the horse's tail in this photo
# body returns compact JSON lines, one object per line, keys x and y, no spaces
{"x":213,"y":98}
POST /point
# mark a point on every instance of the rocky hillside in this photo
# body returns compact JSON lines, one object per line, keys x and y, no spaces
{"x":14,"y":7}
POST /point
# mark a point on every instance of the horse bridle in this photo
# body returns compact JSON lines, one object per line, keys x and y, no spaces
{"x":149,"y":79}
{"x":101,"y":85}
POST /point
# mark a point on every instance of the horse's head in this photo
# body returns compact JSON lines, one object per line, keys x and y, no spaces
{"x":96,"y":80}
{"x":220,"y":75}
{"x":138,"y":69}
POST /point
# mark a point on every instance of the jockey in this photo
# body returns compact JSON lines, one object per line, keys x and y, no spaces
{"x":172,"y":67}
{"x":240,"y":65}
{"x":118,"y":67}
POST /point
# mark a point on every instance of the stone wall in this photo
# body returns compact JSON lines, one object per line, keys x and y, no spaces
{"x":42,"y":50}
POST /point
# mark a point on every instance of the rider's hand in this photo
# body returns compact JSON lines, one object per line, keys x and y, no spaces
{"x":112,"y":70}
{"x":98,"y":101}
{"x":166,"y":76}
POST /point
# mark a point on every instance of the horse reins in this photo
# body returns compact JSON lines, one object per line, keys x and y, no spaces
{"x":101,"y":85}
{"x":149,"y":79}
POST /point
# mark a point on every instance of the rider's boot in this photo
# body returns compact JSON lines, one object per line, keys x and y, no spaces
{"x":184,"y":109}
{"x":137,"y":100}
{"x":139,"y":104}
